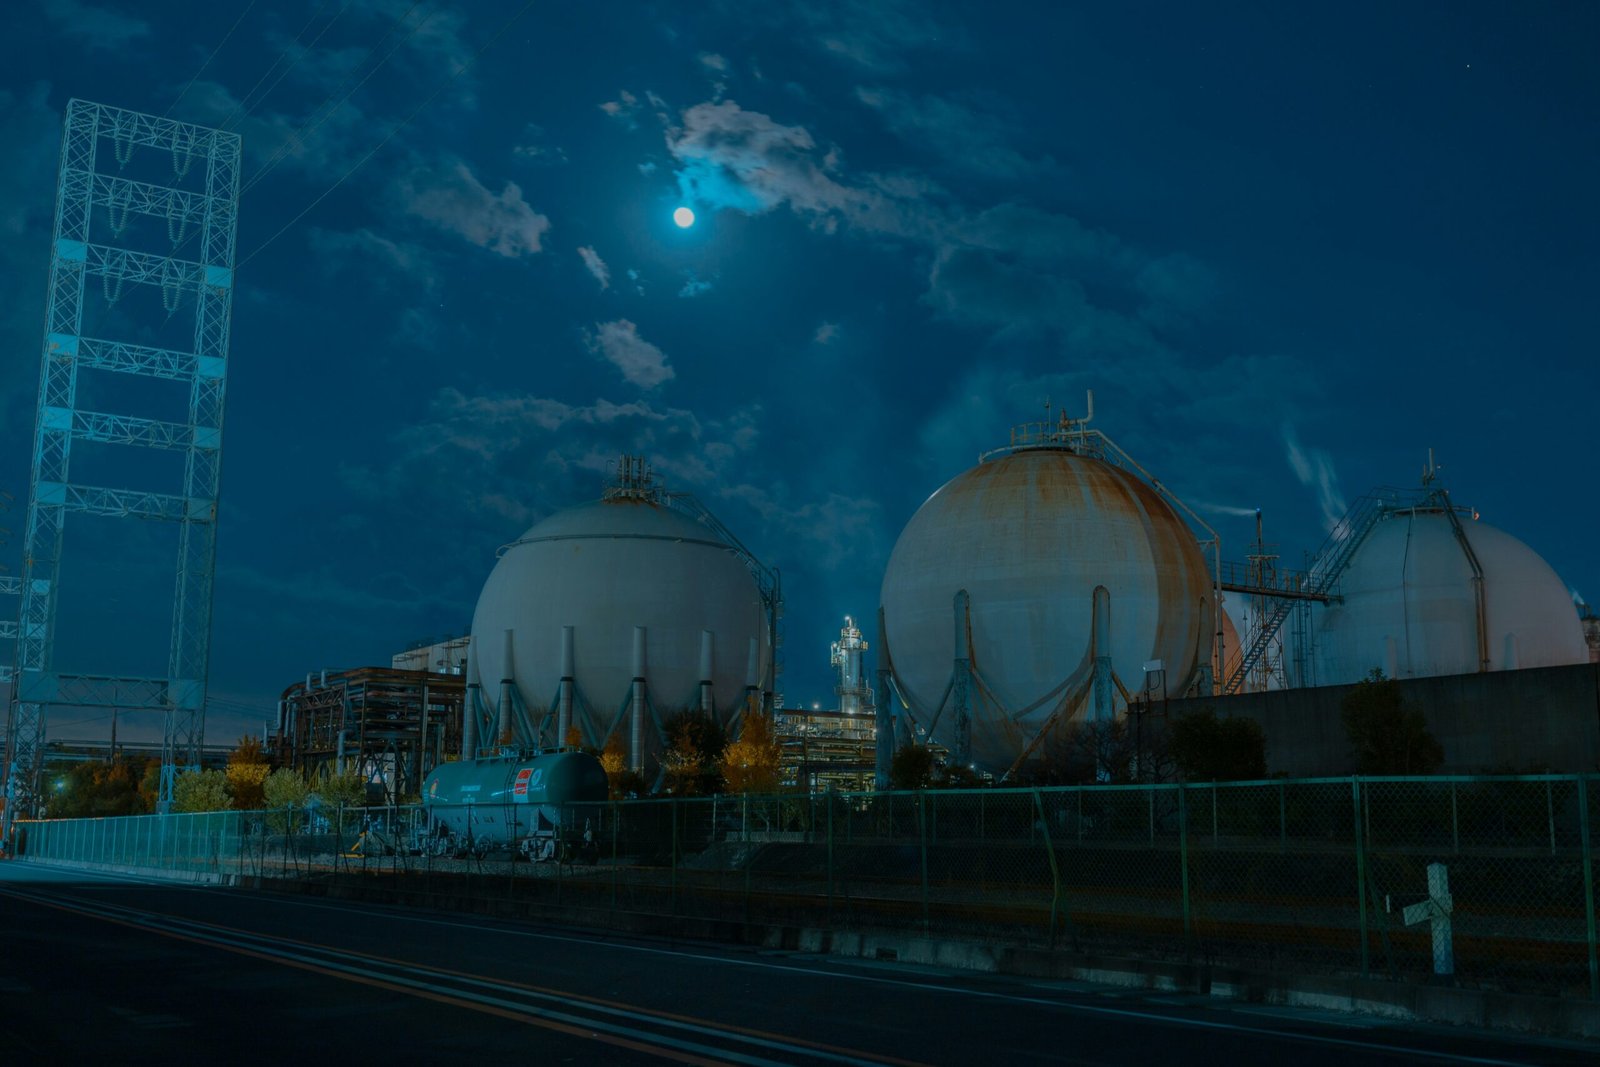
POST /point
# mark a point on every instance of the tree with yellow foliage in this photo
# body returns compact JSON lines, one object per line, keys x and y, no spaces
{"x":614,"y":760}
{"x":751,"y":764}
{"x":247,"y":774}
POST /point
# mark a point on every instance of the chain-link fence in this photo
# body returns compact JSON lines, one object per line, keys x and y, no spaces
{"x":1307,"y":875}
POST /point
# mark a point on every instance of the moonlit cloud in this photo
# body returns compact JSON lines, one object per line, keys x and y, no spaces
{"x":826,"y":333}
{"x":1008,"y":267}
{"x":694,"y":287}
{"x":452,"y":198}
{"x":618,"y":343}
{"x":746,"y":161}
{"x":597,"y":266}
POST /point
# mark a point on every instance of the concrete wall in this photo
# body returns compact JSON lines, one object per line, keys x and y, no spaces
{"x":1546,"y":718}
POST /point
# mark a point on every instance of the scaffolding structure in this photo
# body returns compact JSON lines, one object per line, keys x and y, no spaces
{"x":391,"y":727}
{"x":193,"y":270}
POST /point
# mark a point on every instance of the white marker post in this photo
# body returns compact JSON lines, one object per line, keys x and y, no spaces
{"x":1436,"y":909}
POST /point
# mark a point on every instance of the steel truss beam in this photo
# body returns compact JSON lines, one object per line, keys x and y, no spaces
{"x":200,"y":207}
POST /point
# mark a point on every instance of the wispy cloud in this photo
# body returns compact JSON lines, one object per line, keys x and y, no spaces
{"x":450,"y":196}
{"x":619,"y":343}
{"x":1314,"y":468}
{"x":957,"y":133}
{"x":503,"y":456}
{"x":596,"y":265}
{"x":826,"y":333}
{"x":535,"y":147}
{"x":627,"y":107}
{"x":97,"y":27}
{"x":339,"y":248}
{"x":874,"y":35}
{"x":694,"y":287}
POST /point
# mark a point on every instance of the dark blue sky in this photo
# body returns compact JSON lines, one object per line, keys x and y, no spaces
{"x":1290,"y":248}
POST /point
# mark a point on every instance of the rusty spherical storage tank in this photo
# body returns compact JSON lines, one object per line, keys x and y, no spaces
{"x":1029,"y":534}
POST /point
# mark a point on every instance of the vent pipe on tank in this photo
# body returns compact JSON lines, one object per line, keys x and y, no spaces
{"x":508,"y":689}
{"x":422,"y":741}
{"x":1101,"y":649}
{"x":961,"y":680}
{"x":568,"y":672}
{"x":752,"y":676}
{"x":636,"y":723}
{"x":707,"y":701}
{"x":470,"y":702}
{"x":885,"y":710}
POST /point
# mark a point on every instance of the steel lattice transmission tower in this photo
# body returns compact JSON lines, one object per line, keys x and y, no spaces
{"x":198,"y":200}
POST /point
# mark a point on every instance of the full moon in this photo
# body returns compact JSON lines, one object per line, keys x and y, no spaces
{"x":683,"y":217}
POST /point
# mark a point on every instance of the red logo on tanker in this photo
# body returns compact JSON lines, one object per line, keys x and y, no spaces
{"x":521,"y":787}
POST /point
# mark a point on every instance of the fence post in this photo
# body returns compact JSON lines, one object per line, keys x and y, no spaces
{"x":1588,"y":884}
{"x":1183,"y":868}
{"x":1550,"y":813}
{"x":830,"y":853}
{"x":748,"y":856}
{"x":922,"y":837}
{"x":1455,"y":822}
{"x":1283,"y":816}
{"x":616,"y":828}
{"x":1361,"y":869}
{"x":1055,"y":873}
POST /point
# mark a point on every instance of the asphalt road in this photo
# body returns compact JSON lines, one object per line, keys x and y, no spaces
{"x":115,"y":970}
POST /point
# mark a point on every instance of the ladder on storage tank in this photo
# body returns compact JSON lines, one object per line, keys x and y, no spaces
{"x":1317,"y":583}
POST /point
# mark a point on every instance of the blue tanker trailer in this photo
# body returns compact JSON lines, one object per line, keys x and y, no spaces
{"x":511,"y":802}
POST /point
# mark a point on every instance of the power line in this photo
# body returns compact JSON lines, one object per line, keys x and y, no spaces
{"x":209,"y":58}
{"x":501,"y":32}
{"x":307,"y":128}
{"x":268,"y":72}
{"x":308,"y":47}
{"x":283,"y":149}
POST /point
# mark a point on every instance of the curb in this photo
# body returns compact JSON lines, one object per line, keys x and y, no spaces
{"x":1402,"y":1002}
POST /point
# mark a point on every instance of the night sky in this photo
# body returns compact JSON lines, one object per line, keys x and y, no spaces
{"x":1290,"y":247}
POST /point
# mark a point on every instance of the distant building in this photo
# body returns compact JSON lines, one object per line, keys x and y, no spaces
{"x":391,"y":726}
{"x":827,"y":749}
{"x":448,"y":656}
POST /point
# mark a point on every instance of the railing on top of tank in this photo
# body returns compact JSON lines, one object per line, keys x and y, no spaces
{"x":1069,"y":434}
{"x":1305,"y":875}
